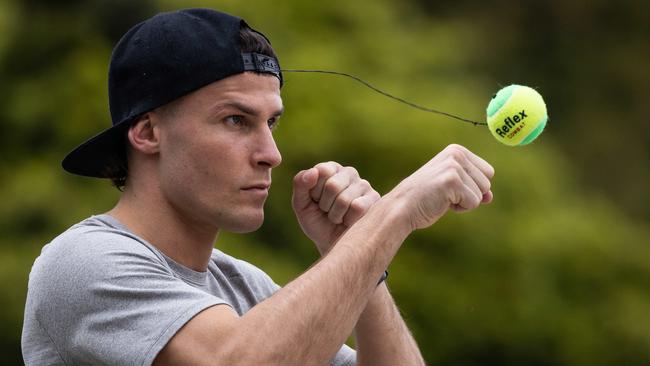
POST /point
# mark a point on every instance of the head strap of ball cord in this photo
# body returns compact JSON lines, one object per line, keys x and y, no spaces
{"x":261,"y":63}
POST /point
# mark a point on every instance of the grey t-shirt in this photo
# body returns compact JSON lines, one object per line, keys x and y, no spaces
{"x":100,"y":295}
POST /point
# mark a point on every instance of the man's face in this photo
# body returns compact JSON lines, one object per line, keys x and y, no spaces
{"x":217,"y":151}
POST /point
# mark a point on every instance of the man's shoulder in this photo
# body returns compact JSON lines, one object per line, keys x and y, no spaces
{"x":95,"y":234}
{"x":92,"y":244}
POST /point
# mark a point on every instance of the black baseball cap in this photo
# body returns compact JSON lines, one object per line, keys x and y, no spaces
{"x":159,"y":60}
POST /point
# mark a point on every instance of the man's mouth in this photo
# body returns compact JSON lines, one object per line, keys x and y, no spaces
{"x":258,"y":187}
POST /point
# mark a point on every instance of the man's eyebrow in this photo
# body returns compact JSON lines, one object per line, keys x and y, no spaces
{"x":245,"y":108}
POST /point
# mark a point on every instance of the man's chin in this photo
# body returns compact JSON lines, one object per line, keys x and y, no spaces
{"x":245,"y":225}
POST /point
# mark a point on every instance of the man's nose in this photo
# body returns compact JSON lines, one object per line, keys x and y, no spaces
{"x":266,"y":152}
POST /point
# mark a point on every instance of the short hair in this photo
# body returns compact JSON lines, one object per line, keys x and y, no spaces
{"x":117,"y":169}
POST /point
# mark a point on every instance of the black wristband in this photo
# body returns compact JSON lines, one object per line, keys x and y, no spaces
{"x":383,"y":278}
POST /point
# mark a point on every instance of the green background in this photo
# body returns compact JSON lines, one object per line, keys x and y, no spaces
{"x":555,"y":272}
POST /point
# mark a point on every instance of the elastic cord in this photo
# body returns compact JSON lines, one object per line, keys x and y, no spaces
{"x":411,"y":104}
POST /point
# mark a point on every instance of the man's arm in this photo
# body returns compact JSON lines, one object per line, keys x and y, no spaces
{"x":307,"y":321}
{"x":382,"y":337}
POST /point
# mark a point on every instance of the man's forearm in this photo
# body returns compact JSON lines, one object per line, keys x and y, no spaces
{"x":382,"y":336}
{"x":317,"y":311}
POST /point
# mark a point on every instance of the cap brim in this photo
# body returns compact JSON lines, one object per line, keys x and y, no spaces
{"x":92,"y":157}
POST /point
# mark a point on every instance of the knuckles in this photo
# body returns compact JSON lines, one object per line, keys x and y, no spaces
{"x":351,"y":171}
{"x":328,"y":169}
{"x":348,"y":177}
{"x":346,"y":195}
{"x":450,"y":172}
{"x":451,"y":179}
{"x":356,"y":209}
{"x":455,"y":149}
{"x":343,"y":200}
{"x":365,"y":184}
{"x":333,"y":186}
{"x":457,"y":153}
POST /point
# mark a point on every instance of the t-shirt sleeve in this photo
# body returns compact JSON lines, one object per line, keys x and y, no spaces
{"x":345,"y":357}
{"x":105,"y":298}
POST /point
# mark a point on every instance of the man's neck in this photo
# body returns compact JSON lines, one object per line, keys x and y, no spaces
{"x":154,"y":220}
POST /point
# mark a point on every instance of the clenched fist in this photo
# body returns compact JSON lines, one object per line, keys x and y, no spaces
{"x":329,"y":198}
{"x":454,"y":179}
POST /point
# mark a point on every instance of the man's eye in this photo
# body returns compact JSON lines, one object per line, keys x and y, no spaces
{"x":234,"y":120}
{"x":273,"y":123}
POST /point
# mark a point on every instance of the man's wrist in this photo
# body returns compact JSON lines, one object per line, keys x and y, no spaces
{"x":397,"y":212}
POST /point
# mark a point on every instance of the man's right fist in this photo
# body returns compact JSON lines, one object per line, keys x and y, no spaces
{"x":455,"y":178}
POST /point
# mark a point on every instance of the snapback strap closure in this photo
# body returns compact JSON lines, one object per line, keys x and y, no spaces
{"x":261,"y":63}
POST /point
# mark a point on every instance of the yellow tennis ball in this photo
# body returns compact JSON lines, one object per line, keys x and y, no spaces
{"x":516,"y":115}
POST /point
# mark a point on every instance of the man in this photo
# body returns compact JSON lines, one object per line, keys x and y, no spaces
{"x":194,"y":97}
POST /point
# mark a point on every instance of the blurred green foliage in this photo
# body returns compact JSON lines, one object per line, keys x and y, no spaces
{"x":555,"y":272}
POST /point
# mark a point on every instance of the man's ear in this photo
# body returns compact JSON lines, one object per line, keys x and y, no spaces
{"x":144,"y":134}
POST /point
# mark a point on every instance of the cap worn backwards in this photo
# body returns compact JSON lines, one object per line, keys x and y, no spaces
{"x":158,"y":61}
